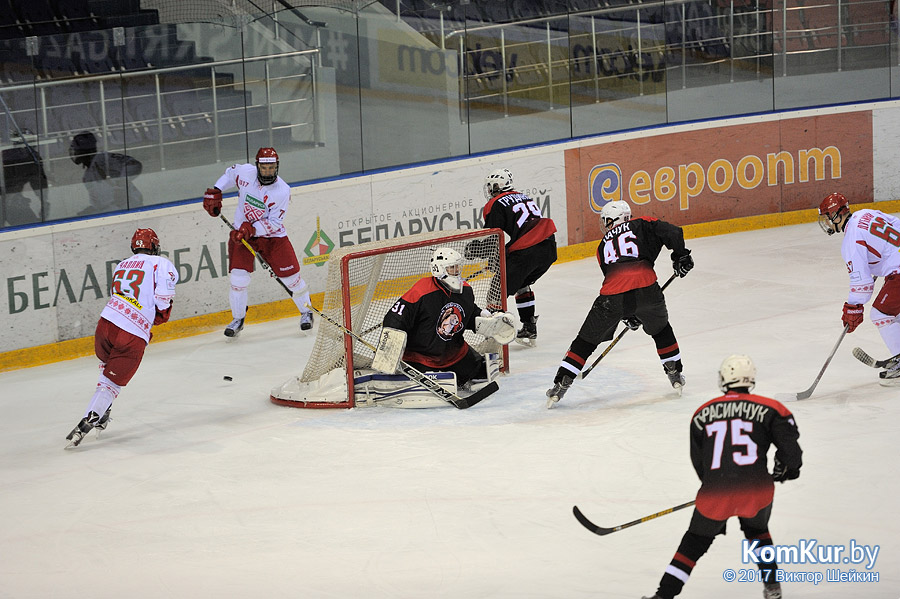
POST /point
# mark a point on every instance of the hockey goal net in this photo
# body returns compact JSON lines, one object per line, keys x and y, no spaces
{"x":363,"y":283}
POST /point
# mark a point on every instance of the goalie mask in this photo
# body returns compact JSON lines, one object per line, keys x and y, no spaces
{"x":446,"y":267}
{"x":145,"y":241}
{"x":737,"y":371}
{"x":834,"y":212}
{"x":615,"y":213}
{"x":496,"y":182}
{"x":266,"y":166}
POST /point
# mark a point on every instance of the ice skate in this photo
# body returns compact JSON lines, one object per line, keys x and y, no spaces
{"x":104,"y":421}
{"x":86,"y":425}
{"x":234,"y":329}
{"x":527,"y":335}
{"x":653,"y":596}
{"x":890,"y":377}
{"x":556,"y":393}
{"x":772,"y":591}
{"x":673,"y":371}
{"x":306,"y":321}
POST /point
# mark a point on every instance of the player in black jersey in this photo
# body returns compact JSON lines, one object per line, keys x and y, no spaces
{"x":730,"y":439}
{"x":531,"y":248}
{"x":630,"y":293}
{"x":436,"y":311}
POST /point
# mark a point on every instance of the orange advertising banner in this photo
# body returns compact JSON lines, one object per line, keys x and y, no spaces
{"x":728,"y":172}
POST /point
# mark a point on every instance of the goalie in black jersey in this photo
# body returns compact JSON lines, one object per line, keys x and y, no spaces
{"x":630,"y":293}
{"x":730,"y":439}
{"x":436,"y":311}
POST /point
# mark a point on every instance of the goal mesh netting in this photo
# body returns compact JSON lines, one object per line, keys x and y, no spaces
{"x":363,"y":283}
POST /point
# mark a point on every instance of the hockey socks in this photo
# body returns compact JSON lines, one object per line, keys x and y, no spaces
{"x":525,"y":304}
{"x":677,"y":573}
{"x":573,"y":362}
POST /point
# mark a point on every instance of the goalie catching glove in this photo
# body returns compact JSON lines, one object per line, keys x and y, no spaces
{"x":499,"y":326}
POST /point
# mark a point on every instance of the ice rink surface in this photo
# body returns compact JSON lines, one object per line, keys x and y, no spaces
{"x":203,"y":488}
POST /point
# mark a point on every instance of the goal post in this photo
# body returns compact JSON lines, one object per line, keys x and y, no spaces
{"x":362,"y":283}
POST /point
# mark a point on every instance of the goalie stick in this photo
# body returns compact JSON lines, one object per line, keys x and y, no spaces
{"x":414,"y":375}
{"x":599,"y":530}
{"x":588,"y":370}
{"x":806,"y":394}
{"x":868,"y":360}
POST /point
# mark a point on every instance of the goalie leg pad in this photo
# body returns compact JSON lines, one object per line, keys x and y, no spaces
{"x":397,"y":391}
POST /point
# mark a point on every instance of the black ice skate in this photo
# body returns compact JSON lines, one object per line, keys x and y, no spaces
{"x":306,"y":321}
{"x":86,"y":425}
{"x":234,"y":329}
{"x":772,"y":591}
{"x":104,"y":420}
{"x":890,"y":377}
{"x":673,"y":371}
{"x":556,"y":393}
{"x":527,"y":335}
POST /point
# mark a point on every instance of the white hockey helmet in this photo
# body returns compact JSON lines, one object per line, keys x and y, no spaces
{"x":615,"y":213}
{"x":496,"y":182}
{"x":446,"y":267}
{"x":737,"y":371}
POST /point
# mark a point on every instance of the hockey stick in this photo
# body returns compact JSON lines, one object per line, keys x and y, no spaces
{"x":806,"y":394}
{"x":868,"y":360}
{"x":599,"y":530}
{"x":587,"y":371}
{"x":417,"y":377}
{"x":262,"y":260}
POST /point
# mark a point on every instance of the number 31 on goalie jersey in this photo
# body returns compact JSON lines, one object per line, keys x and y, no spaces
{"x":621,"y":246}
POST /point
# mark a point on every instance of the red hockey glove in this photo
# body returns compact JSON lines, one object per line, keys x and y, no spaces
{"x":853,"y":316}
{"x":162,"y":315}
{"x":245,"y":231}
{"x":212,"y":201}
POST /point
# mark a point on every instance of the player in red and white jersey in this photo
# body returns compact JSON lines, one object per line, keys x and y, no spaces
{"x":871,"y":248}
{"x":263,"y":199}
{"x":143,"y":289}
{"x":630,"y":293}
{"x":435,"y":313}
{"x":531,"y":248}
{"x":730,"y":440}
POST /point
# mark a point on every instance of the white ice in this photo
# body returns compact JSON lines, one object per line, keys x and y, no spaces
{"x":203,"y":488}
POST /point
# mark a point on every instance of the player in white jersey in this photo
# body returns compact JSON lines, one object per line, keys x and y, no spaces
{"x":263,"y":199}
{"x":871,"y":248}
{"x":143,"y":289}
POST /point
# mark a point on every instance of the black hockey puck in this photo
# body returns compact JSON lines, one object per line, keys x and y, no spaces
{"x":226,"y":378}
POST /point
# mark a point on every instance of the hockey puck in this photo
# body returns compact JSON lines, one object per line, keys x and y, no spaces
{"x":226,"y":378}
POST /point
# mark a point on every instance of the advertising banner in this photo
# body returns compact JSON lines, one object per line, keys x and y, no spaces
{"x":725,"y":172}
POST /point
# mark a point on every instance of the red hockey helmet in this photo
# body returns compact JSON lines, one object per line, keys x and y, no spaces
{"x":145,"y":241}
{"x":267,"y":156}
{"x":833,"y":213}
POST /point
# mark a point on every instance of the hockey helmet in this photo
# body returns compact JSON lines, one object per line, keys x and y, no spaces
{"x":615,"y":213}
{"x":446,"y":267}
{"x":496,"y":182}
{"x":266,"y":156}
{"x":145,"y":241}
{"x":834,"y":211}
{"x":737,"y":372}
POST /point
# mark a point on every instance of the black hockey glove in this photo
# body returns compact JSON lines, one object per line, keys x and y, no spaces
{"x":683,"y":263}
{"x":632,"y":322}
{"x":781,"y":473}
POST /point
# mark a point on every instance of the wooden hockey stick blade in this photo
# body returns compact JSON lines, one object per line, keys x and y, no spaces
{"x":808,"y":393}
{"x":868,"y":360}
{"x":599,"y":530}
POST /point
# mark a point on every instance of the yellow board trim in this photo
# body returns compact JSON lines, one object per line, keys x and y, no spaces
{"x":198,"y":325}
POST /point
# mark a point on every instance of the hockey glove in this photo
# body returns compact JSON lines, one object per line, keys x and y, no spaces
{"x":853,"y":316}
{"x":632,"y":322}
{"x":162,"y":315}
{"x":499,"y":326}
{"x":245,"y":231}
{"x":683,"y":263}
{"x":781,"y":473}
{"x":212,"y":201}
